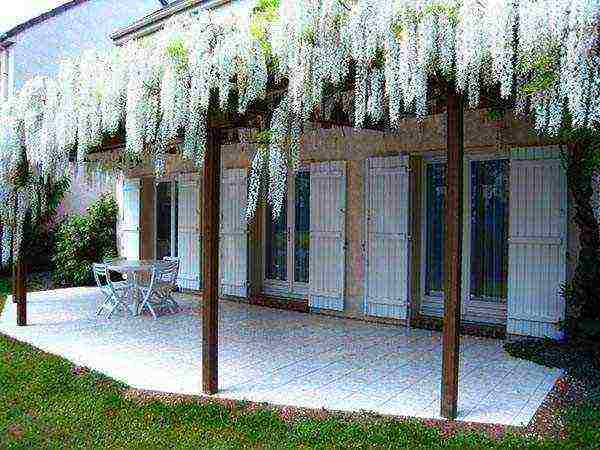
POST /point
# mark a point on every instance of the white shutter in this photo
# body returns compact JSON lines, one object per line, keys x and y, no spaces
{"x":188,"y":232}
{"x":387,"y":234}
{"x":130,"y":219}
{"x":233,"y":242}
{"x":537,"y":247}
{"x":327,"y":235}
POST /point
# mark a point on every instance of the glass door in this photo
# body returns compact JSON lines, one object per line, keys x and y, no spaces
{"x":166,"y":219}
{"x":276,"y":243}
{"x":486,"y":248}
{"x":434,"y":234}
{"x":489,"y":230}
{"x":287,"y":241}
{"x":301,"y":228}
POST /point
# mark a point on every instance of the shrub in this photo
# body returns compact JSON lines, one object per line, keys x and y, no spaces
{"x":83,"y":240}
{"x":43,"y":232}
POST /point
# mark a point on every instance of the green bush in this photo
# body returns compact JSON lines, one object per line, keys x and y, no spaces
{"x":83,"y":240}
{"x":43,"y":231}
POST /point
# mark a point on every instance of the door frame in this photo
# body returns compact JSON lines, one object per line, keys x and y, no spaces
{"x":289,"y":288}
{"x":472,"y":310}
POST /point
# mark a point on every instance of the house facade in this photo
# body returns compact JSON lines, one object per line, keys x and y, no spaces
{"x":361,"y":234}
{"x":36,"y":48}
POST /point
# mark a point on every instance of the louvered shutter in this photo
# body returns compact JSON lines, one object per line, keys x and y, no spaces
{"x":537,"y":246}
{"x":387,"y":246}
{"x":130,"y":219}
{"x":233,"y":242}
{"x":327,"y":235}
{"x":188,"y":232}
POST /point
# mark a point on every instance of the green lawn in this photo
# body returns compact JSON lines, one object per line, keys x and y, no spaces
{"x":45,"y":404}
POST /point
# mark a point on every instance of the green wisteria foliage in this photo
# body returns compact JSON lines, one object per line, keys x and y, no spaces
{"x":542,"y":54}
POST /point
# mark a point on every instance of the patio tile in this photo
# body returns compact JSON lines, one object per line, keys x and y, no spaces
{"x":283,"y":357}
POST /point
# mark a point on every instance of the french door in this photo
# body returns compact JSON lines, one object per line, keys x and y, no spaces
{"x":485,"y":243}
{"x":177,"y":227}
{"x":287,"y":241}
{"x":166,"y":219}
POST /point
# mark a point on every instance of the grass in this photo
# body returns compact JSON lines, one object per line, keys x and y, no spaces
{"x":45,"y":403}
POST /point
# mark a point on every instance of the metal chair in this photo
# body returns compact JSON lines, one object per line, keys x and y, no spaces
{"x":147,"y":293}
{"x":115,"y":293}
{"x":157,"y":294}
{"x":169,"y":270}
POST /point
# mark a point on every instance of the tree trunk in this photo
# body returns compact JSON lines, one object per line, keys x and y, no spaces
{"x":583,"y":300}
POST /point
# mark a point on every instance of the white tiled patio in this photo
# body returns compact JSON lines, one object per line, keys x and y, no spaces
{"x":284,"y":357}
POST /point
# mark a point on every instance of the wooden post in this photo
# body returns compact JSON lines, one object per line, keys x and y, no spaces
{"x":210,"y":297}
{"x":20,"y":291}
{"x":453,"y":255}
{"x":416,"y":192}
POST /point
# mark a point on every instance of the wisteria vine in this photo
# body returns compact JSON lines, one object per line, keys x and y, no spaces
{"x":542,"y":54}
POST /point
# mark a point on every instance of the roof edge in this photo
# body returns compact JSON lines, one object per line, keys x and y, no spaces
{"x":154,"y":21}
{"x":48,"y":14}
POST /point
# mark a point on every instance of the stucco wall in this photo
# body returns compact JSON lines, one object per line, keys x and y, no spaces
{"x":414,"y":138}
{"x":84,"y":191}
{"x":354,"y":147}
{"x":39,"y":50}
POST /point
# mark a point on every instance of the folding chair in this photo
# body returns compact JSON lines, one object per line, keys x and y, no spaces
{"x":157,"y":293}
{"x":167,"y":283}
{"x":115,"y":293}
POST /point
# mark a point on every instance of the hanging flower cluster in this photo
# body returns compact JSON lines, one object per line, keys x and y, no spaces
{"x":542,"y":54}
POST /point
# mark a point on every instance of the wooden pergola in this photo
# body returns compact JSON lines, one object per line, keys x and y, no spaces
{"x":211,"y":217}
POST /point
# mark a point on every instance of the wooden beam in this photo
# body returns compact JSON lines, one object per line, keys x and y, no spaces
{"x":20,"y":291}
{"x":210,"y":298}
{"x":416,"y":196}
{"x":453,"y":254}
{"x":147,"y":218}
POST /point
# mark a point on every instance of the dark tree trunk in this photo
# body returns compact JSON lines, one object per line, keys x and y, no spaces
{"x":583,"y":297}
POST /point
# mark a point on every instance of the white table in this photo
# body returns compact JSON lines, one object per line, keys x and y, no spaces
{"x":131,"y":268}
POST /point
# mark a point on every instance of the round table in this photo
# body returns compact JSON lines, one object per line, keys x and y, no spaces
{"x":131,"y":268}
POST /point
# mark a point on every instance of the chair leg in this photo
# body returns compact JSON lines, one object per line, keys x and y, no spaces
{"x":145,"y":303}
{"x":110,"y":311}
{"x":172,"y":303}
{"x":105,"y":305}
{"x":149,"y":307}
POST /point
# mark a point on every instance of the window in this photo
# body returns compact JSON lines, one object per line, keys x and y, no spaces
{"x":287,"y":239}
{"x":436,"y":200}
{"x":3,"y":74}
{"x":489,"y":229}
{"x":166,"y":219}
{"x":276,"y":244}
{"x":302,"y":227}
